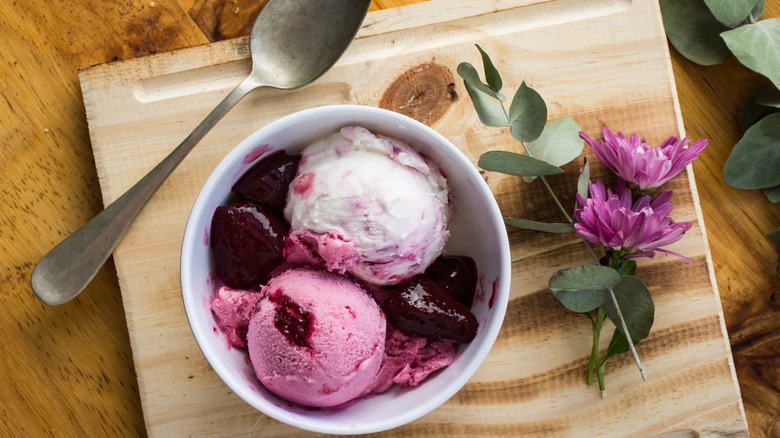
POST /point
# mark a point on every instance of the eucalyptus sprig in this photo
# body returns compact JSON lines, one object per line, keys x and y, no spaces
{"x":710,"y":32}
{"x":606,"y":289}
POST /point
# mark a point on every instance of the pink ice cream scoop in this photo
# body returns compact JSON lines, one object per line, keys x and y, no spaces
{"x":316,"y":338}
{"x":367,"y":205}
{"x":233,"y":310}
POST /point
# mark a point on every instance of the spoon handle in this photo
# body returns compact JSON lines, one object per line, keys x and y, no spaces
{"x":69,"y":267}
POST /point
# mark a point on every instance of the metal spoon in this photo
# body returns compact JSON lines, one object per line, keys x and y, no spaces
{"x":293,"y":42}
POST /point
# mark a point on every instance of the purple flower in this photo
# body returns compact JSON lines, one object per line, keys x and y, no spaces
{"x":645,"y":167}
{"x":633,"y":229}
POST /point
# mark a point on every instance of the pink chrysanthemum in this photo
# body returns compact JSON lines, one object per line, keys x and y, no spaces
{"x":640,"y":165}
{"x":633,"y":230}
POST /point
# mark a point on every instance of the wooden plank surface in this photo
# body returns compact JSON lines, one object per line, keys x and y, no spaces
{"x":533,"y":380}
{"x":68,"y":370}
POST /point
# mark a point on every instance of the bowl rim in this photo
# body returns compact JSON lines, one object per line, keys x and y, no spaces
{"x":191,"y":238}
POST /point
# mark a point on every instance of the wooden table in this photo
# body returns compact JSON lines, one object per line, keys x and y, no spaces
{"x":68,"y":370}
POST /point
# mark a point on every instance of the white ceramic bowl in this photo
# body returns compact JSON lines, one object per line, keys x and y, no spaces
{"x":477,"y":230}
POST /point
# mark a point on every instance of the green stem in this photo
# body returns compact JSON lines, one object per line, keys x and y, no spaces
{"x":622,"y":321}
{"x":594,"y":351}
{"x":506,"y":114}
{"x":600,"y":377}
{"x":557,"y":202}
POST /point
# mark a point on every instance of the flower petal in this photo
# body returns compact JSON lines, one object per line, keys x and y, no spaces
{"x":633,"y":160}
{"x":638,"y":227}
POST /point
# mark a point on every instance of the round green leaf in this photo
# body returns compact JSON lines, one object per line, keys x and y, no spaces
{"x":757,"y":47}
{"x":773,"y":194}
{"x":754,"y":162}
{"x":511,"y":163}
{"x":774,"y":236}
{"x":559,"y":144}
{"x":527,"y":114}
{"x":752,"y":110}
{"x":758,"y":11}
{"x":636,"y":306}
{"x":768,"y":97}
{"x":582,"y":289}
{"x":731,"y":12}
{"x":617,"y":345}
{"x":580,"y":301}
{"x":694,"y":31}
{"x":626,"y":267}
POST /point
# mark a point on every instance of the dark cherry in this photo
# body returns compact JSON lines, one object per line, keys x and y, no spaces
{"x":266,"y":183}
{"x":247,"y":241}
{"x":456,"y":275}
{"x":292,"y":320}
{"x":421,"y":308}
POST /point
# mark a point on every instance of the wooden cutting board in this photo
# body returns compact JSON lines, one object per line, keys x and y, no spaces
{"x":598,"y":61}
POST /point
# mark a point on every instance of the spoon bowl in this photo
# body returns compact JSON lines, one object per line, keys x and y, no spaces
{"x":292,"y":44}
{"x":275,"y":60}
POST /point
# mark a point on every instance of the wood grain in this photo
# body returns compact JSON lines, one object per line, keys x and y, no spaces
{"x":744,"y":258}
{"x":67,"y":371}
{"x":529,"y":384}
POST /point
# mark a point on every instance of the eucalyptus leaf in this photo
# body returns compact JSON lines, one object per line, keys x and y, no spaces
{"x":757,"y":47}
{"x":511,"y":163}
{"x":470,"y":77}
{"x":731,"y":12}
{"x":559,"y":144}
{"x":539,"y":226}
{"x":583,"y":288}
{"x":773,"y":194}
{"x":751,"y":110}
{"x":758,"y":11}
{"x":583,"y":180}
{"x":491,"y":74}
{"x":774,"y":236}
{"x":527,"y":114}
{"x":754,"y":162}
{"x":768,"y":97}
{"x":636,"y":306}
{"x":617,"y":345}
{"x":626,"y":267}
{"x":488,"y":110}
{"x":694,"y":31}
